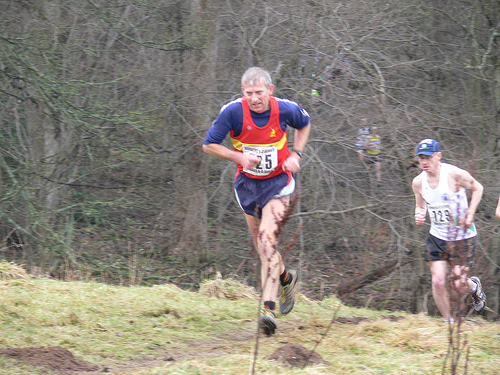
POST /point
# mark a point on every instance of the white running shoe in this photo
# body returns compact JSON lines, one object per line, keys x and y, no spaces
{"x":478,"y":297}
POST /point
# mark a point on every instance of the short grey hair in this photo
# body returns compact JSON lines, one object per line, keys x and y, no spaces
{"x":254,"y":75}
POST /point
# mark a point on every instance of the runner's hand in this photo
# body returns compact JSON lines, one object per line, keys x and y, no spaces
{"x":466,"y":222}
{"x":291,"y":164}
{"x":249,"y":161}
{"x":419,"y":219}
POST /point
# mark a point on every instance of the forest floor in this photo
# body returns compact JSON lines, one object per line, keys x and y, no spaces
{"x":62,"y":361}
{"x":69,"y":328}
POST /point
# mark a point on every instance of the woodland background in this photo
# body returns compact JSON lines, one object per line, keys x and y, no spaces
{"x":104,"y":105}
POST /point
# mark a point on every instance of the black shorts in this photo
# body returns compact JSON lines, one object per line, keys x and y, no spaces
{"x":459,"y":252}
{"x":372,"y":159}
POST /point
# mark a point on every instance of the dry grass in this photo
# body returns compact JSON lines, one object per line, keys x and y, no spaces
{"x":165,"y":330}
{"x":12,"y":271}
{"x":228,"y":289}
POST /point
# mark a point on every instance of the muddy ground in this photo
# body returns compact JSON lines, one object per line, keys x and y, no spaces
{"x":61,"y":361}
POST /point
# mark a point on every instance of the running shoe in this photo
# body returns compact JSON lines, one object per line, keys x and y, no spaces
{"x":478,"y":297}
{"x":287,"y":294}
{"x":267,"y":322}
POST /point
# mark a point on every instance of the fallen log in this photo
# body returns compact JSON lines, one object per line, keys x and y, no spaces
{"x":368,"y":278}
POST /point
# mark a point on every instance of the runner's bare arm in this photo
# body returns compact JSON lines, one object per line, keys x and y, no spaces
{"x":222,"y":152}
{"x":301,"y":136}
{"x":420,"y":205}
{"x":465,"y":180}
{"x":300,"y":139}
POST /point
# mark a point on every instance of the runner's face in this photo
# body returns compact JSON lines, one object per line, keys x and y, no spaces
{"x":429,"y":162}
{"x":257,"y":95}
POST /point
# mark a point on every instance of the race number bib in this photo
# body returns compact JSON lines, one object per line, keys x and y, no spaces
{"x":440,"y":215}
{"x":269,"y":159}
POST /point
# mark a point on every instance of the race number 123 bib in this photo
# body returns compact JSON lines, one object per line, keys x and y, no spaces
{"x":440,"y":215}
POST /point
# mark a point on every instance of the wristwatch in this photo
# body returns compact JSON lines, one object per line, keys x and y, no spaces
{"x":298,"y":152}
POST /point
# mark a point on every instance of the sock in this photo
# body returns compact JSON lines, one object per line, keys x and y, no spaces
{"x":271,"y":305}
{"x":285,"y":278}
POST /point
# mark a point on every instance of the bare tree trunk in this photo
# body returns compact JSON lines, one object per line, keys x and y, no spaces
{"x":50,"y":150}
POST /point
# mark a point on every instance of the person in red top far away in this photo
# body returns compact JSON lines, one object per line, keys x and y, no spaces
{"x":440,"y":190}
{"x":265,"y":181}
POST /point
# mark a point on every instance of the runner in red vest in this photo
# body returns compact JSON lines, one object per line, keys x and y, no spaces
{"x":264,"y":182}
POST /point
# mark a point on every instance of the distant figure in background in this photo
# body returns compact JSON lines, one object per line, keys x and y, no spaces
{"x":317,"y":89}
{"x":320,"y":87}
{"x":363,"y":133}
{"x":497,"y":212}
{"x":440,"y":189}
{"x":373,"y":147}
{"x":341,"y":68}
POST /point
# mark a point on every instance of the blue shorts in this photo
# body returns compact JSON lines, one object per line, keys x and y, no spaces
{"x":253,"y":194}
{"x":458,"y":252}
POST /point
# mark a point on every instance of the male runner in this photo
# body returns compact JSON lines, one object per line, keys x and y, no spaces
{"x":264,"y":181}
{"x":440,"y":190}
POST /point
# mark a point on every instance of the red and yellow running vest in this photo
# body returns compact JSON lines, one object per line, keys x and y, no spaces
{"x":269,"y":142}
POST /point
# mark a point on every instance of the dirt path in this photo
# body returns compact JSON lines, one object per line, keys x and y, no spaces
{"x":61,"y":361}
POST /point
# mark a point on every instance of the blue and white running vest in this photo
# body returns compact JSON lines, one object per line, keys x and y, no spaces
{"x":446,"y":208}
